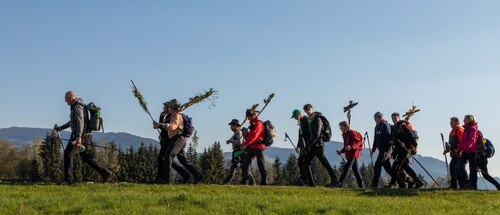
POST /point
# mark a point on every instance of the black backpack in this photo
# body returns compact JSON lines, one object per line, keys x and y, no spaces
{"x":326,"y":133}
{"x":95,"y":121}
{"x":268,"y":133}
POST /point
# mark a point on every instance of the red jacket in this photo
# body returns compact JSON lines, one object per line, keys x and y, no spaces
{"x":256,"y":135}
{"x":353,"y":139}
{"x":469,"y":139}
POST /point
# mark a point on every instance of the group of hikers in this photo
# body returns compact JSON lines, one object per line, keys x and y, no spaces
{"x":397,"y":142}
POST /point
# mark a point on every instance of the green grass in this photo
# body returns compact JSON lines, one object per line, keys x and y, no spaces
{"x":204,"y":199}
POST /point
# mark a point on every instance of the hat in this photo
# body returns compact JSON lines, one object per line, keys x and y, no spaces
{"x":166,"y":103}
{"x":251,"y":112}
{"x":174,"y":104}
{"x":235,"y":122}
{"x":295,"y":113}
{"x":378,"y":115}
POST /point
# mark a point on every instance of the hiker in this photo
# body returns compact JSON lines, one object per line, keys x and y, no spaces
{"x":382,"y":142}
{"x":405,"y":143}
{"x":165,"y":140}
{"x":452,"y":147}
{"x":316,"y":144}
{"x":353,"y":144}
{"x":483,"y":153}
{"x":177,"y":143}
{"x":255,"y":148}
{"x":236,"y":140}
{"x":302,"y":146}
{"x":468,"y":150}
{"x":81,"y":136}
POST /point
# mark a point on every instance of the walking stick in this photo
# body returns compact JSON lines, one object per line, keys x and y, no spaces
{"x":343,"y":159}
{"x":349,"y":108}
{"x":288,"y":137}
{"x":418,"y":162}
{"x":445,"y":157}
{"x":367,"y":138}
{"x":482,"y":178}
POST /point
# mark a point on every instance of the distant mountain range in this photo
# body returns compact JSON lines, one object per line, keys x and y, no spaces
{"x":26,"y":136}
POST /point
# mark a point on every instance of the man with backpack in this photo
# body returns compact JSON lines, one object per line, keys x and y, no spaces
{"x":165,"y":140}
{"x":405,"y":142}
{"x":236,"y":140}
{"x":302,"y":146}
{"x":382,"y":142}
{"x":255,"y":148}
{"x":353,"y":144}
{"x":178,"y":129}
{"x":484,"y":152}
{"x":320,"y":132}
{"x":81,"y":138}
{"x":454,"y":142}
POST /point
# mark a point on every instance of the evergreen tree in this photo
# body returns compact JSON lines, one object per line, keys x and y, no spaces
{"x":50,"y":156}
{"x":278,"y":175}
{"x":291,"y":171}
{"x":212,"y":163}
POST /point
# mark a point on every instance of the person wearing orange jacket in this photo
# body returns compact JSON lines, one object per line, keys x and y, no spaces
{"x":255,"y":147}
{"x":452,"y":147}
{"x":353,"y":144}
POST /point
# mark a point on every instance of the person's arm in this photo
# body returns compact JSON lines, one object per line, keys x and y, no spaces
{"x":79,"y":114}
{"x":316,"y":128}
{"x":376,"y":140}
{"x":65,"y":126}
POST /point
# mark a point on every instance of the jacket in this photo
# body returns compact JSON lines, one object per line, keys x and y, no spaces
{"x":79,"y":119}
{"x":353,"y":139}
{"x":469,"y":138}
{"x":256,"y":135}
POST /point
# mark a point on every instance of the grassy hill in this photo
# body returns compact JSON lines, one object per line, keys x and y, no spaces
{"x":204,"y":199}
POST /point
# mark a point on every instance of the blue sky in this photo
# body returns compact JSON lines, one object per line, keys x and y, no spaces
{"x":441,"y":55}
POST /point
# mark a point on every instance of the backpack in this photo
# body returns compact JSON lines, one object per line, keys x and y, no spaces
{"x":490,"y":149}
{"x":413,"y":131}
{"x":268,"y":133}
{"x":95,"y":121}
{"x":188,"y":130}
{"x":326,"y":133}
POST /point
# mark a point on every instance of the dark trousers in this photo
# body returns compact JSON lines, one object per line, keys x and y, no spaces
{"x":161,"y":165}
{"x":317,"y":150}
{"x":482,"y":164}
{"x":351,"y":164}
{"x":377,"y":169}
{"x":235,"y":163}
{"x":305,"y":169}
{"x":176,"y":149}
{"x":401,"y":167}
{"x":455,"y":180}
{"x":86,"y":156}
{"x":471,"y":159}
{"x":251,"y":154}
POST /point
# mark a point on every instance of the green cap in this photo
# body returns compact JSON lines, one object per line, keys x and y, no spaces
{"x":295,"y":113}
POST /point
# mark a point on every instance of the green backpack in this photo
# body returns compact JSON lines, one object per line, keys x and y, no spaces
{"x":95,"y":121}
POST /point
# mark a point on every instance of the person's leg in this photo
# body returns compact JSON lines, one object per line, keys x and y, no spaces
{"x":357,"y":175}
{"x":161,"y":161}
{"x":454,"y":173}
{"x":320,"y":153}
{"x":261,"y":163}
{"x":232,"y":172}
{"x":247,"y":161}
{"x":68,"y":163}
{"x":345,"y":170}
{"x":169,"y":159}
{"x":307,"y":165}
{"x":377,"y":169}
{"x":181,"y":156}
{"x":90,"y":159}
{"x":473,"y":169}
{"x":483,"y":167}
{"x":461,"y":170}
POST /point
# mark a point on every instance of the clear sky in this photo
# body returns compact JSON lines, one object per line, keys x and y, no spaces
{"x":441,"y":55}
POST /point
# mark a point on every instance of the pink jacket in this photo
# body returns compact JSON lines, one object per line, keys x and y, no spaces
{"x":469,"y":138}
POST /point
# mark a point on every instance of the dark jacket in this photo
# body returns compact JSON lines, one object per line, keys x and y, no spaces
{"x":382,"y":139}
{"x":315,"y":129}
{"x":303,"y":133}
{"x":401,"y":133}
{"x":79,"y":119}
{"x":164,"y":118}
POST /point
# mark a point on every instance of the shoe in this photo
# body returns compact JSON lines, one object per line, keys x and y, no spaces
{"x":106,"y":176}
{"x":419,"y":184}
{"x":186,"y":180}
{"x":333,"y":184}
{"x":198,"y":179}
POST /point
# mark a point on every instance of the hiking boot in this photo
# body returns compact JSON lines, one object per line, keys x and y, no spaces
{"x":468,"y":187}
{"x":186,"y":179}
{"x":106,"y":176}
{"x":198,"y":179}
{"x":334,"y":184}
{"x":419,"y":184}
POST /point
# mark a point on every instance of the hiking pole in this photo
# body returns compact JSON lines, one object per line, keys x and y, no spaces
{"x":142,"y":102}
{"x":343,"y":159}
{"x":482,"y":178}
{"x":349,"y":108}
{"x":58,"y":135}
{"x":369,"y":145}
{"x":288,"y":137}
{"x":445,"y":157}
{"x":418,"y":162}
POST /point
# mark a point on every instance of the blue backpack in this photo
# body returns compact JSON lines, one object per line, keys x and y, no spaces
{"x":188,"y":130}
{"x":489,"y":149}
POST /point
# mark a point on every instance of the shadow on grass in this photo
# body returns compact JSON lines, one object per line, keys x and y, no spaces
{"x":390,"y":192}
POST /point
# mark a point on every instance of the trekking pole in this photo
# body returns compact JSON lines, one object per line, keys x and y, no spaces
{"x":343,"y":159}
{"x":445,"y":157}
{"x":418,"y":162}
{"x":482,"y":178}
{"x":369,"y":145}
{"x":58,"y":135}
{"x":288,"y":137}
{"x":349,"y":108}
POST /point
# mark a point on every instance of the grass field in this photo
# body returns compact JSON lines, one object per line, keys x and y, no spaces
{"x":205,"y":199}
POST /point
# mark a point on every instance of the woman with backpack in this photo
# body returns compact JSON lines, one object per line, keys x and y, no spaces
{"x":353,"y":144}
{"x":468,"y":150}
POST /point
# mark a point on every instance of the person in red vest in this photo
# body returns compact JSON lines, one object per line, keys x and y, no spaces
{"x":255,"y":147}
{"x":353,"y":144}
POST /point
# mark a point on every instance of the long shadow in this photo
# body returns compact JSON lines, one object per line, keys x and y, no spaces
{"x":390,"y":192}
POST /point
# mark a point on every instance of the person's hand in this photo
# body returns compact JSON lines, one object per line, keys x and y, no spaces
{"x":57,"y":128}
{"x":445,"y":152}
{"x":297,"y":150}
{"x":338,"y":152}
{"x":348,"y":148}
{"x":228,"y":142}
{"x":156,"y":125}
{"x":371,"y":154}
